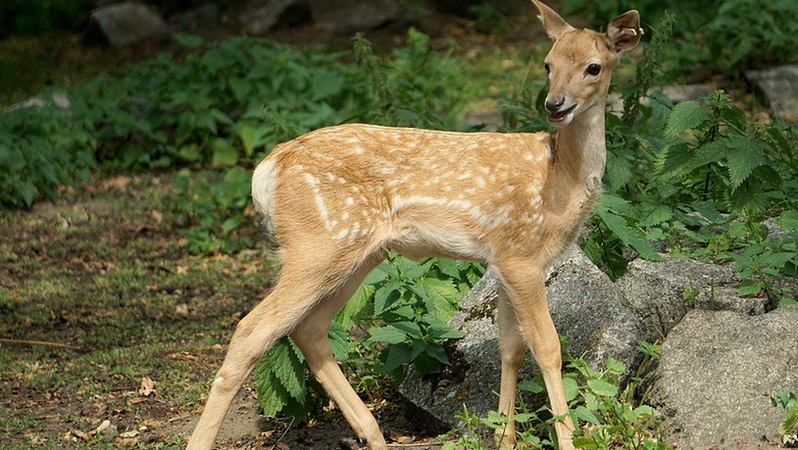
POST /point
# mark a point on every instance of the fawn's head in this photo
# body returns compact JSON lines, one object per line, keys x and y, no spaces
{"x":581,"y":61}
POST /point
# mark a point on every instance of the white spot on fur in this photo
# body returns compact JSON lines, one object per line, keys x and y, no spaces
{"x":264,"y":182}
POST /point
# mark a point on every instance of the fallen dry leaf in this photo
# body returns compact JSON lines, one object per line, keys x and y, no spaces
{"x":147,"y":387}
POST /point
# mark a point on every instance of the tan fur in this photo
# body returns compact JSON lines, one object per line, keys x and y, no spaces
{"x":338,"y":199}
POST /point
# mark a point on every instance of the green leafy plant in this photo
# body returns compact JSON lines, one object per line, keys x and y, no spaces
{"x":612,"y":416}
{"x":608,"y":417}
{"x":40,"y":149}
{"x":414,"y":301}
{"x":406,"y":304}
{"x":40,"y":16}
{"x":789,"y":427}
{"x":210,"y":207}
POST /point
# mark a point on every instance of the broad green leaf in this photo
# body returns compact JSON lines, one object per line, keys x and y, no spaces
{"x":571,"y":388}
{"x":188,"y":40}
{"x":190,"y":153}
{"x":745,"y":154}
{"x":355,"y":307}
{"x":531,"y":386}
{"x":271,"y":395}
{"x":326,"y":83}
{"x":788,"y":220}
{"x":252,"y":136}
{"x":224,"y":154}
{"x":398,"y":355}
{"x":685,"y":116}
{"x":586,"y":415}
{"x":339,"y":342}
{"x":631,"y":236}
{"x":288,"y":368}
{"x":448,"y":267}
{"x":387,"y":334}
{"x":790,"y":421}
{"x":661,"y":214}
{"x":386,"y":296}
{"x":615,"y":367}
{"x":411,"y":328}
{"x":603,"y":388}
{"x":749,"y":288}
{"x":584,"y":442}
{"x":443,"y":297}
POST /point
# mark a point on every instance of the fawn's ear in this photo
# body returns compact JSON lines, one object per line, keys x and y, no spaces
{"x":554,"y":25}
{"x":624,"y":32}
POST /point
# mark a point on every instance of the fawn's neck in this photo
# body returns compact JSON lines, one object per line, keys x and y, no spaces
{"x":580,"y":155}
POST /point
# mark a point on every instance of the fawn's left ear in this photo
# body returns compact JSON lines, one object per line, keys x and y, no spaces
{"x":624,"y":32}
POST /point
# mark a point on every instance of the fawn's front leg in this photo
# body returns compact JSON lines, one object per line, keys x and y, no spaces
{"x":526,"y":293}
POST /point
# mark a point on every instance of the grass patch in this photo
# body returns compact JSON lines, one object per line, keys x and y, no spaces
{"x":106,"y":281}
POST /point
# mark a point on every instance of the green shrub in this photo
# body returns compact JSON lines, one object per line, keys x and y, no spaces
{"x":41,"y":149}
{"x":724,"y":36}
{"x":40,"y":16}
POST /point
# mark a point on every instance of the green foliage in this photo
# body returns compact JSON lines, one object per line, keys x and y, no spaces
{"x":39,"y":151}
{"x":489,"y":19}
{"x":789,"y":427}
{"x":408,"y":304}
{"x":415,"y":88}
{"x":614,"y":419}
{"x":751,"y":32}
{"x":211,"y":208}
{"x":41,"y":16}
{"x":608,"y":417}
{"x":721,"y":35}
{"x":414,"y":301}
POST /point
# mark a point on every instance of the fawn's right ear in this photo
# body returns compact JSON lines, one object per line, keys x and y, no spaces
{"x":554,"y":25}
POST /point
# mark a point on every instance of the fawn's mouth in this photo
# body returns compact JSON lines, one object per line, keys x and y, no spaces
{"x":560,"y":116}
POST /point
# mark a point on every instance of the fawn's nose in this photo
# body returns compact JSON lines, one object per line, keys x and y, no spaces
{"x":553,"y":106}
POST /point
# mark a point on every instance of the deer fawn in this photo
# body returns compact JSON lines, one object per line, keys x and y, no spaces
{"x":337,"y":200}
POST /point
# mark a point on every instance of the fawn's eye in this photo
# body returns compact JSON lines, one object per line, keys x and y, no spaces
{"x":593,"y":69}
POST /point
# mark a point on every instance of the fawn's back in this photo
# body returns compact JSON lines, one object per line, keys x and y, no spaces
{"x":421,"y":192}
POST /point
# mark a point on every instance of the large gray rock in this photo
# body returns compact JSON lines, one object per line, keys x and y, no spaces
{"x":260,"y":16}
{"x":126,"y":23}
{"x":196,"y":19}
{"x":337,"y":16}
{"x":585,"y":306}
{"x":661,"y":293}
{"x":717,"y":373}
{"x":346,"y":16}
{"x":780,"y":88}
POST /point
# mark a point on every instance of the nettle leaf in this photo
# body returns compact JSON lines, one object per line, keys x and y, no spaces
{"x":790,"y":421}
{"x":661,"y":214}
{"x":571,"y":388}
{"x":397,"y":356}
{"x":443,"y":295}
{"x":448,"y":267}
{"x":582,"y":413}
{"x":271,"y":395}
{"x":280,"y":378}
{"x":356,"y":307}
{"x":388,"y":334}
{"x":629,"y":235}
{"x":745,"y":154}
{"x":288,"y":367}
{"x":788,"y":220}
{"x":685,"y":116}
{"x":386,"y":296}
{"x":339,"y":341}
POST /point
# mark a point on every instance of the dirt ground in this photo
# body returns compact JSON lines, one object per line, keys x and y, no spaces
{"x":110,"y":332}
